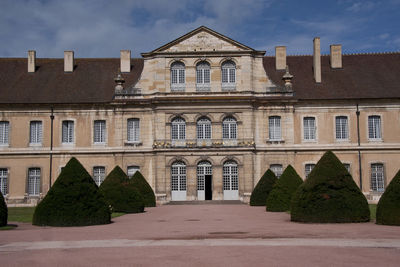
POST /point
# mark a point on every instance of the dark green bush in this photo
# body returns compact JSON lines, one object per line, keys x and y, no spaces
{"x":388,"y":209}
{"x":73,"y":200}
{"x":329,"y":195}
{"x":281,"y":195}
{"x":3,"y":211}
{"x":120,"y":194}
{"x":261,"y":191}
{"x":144,"y":188}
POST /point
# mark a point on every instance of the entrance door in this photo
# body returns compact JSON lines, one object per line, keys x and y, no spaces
{"x":178,"y":181}
{"x":230,"y":181}
{"x":204,"y":170}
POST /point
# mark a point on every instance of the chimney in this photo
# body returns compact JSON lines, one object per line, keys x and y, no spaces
{"x":336,"y":56}
{"x":317,"y":60}
{"x":68,"y":61}
{"x":125,"y":60}
{"x":31,"y":60}
{"x":280,"y":57}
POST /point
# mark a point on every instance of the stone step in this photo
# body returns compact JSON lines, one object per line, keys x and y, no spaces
{"x":206,"y":202}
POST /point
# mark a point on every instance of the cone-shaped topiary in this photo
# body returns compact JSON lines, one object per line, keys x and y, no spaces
{"x":120,"y":194}
{"x":280,"y":197}
{"x":388,"y":209}
{"x":3,"y":211}
{"x":329,"y":195}
{"x":261,"y":191}
{"x":144,"y":188}
{"x":73,"y":200}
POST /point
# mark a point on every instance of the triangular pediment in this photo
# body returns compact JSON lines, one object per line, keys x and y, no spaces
{"x":202,"y":39}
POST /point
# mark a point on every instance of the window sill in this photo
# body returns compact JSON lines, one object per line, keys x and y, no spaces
{"x":133,"y":143}
{"x":380,"y":140}
{"x":35,"y":144}
{"x":275,"y":141}
{"x":310,"y":141}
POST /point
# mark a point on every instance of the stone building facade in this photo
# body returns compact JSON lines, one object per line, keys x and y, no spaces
{"x":202,"y":117}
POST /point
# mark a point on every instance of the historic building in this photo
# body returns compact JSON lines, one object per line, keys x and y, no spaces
{"x":202,"y":117}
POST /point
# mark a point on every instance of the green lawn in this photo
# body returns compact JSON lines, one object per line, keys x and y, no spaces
{"x":372,"y":209}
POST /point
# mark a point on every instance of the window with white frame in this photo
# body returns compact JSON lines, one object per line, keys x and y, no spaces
{"x":203,"y":76}
{"x":178,"y":76}
{"x":229,"y":128}
{"x":274,"y":126}
{"x":374,"y":127}
{"x":4,"y":181}
{"x":342,"y":128}
{"x":230,"y":175}
{"x":204,"y":128}
{"x":228,"y":72}
{"x":35,"y":135}
{"x":277,"y":169}
{"x":377,"y":177}
{"x":309,"y":128}
{"x":178,"y":176}
{"x":4,"y":132}
{"x":133,"y":130}
{"x":347,"y":166}
{"x":203,"y":168}
{"x":34,"y":181}
{"x":68,"y":132}
{"x":132,"y":170}
{"x":178,"y":129}
{"x":99,"y":131}
{"x":99,"y":173}
{"x":308,"y":168}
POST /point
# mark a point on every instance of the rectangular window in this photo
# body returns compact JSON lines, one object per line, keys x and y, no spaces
{"x":308,"y":168}
{"x":309,"y":128}
{"x":99,"y":173}
{"x":274,"y":126}
{"x":99,"y":131}
{"x":347,"y":166}
{"x":4,"y":130}
{"x":374,"y":127}
{"x":277,"y":169}
{"x":67,"y":132}
{"x":4,"y":181}
{"x":133,"y":130}
{"x":342,"y":128}
{"x":35,"y":132}
{"x":34,"y":181}
{"x":132,"y":170}
{"x":377,"y":177}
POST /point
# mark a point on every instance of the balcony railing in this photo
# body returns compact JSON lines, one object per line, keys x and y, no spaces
{"x":203,"y":143}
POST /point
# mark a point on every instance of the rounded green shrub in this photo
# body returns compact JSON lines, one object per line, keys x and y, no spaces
{"x":329,"y":195}
{"x":120,"y":194}
{"x":3,"y":211}
{"x":144,"y":188}
{"x":73,"y":200}
{"x":388,"y":209}
{"x":280,"y":197}
{"x":263,"y":188}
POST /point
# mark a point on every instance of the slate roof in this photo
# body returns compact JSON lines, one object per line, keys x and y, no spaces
{"x":92,"y":80}
{"x":362,"y":76}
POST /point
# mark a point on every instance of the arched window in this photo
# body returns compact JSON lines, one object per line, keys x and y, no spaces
{"x":204,"y":128}
{"x":230,"y":175}
{"x":178,"y":76}
{"x":228,"y":78}
{"x":203,"y":76}
{"x":178,"y":129}
{"x":178,"y":176}
{"x":229,"y":128}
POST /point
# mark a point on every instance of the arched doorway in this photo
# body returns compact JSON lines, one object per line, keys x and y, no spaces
{"x":230,"y":180}
{"x":204,"y":180}
{"x":178,"y":181}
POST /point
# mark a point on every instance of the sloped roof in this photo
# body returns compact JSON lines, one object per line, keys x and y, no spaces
{"x":362,"y":76}
{"x":92,"y":80}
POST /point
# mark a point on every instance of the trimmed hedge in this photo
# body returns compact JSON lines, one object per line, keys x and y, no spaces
{"x":120,"y":194}
{"x":3,"y":211}
{"x":281,"y":195}
{"x":73,"y":200}
{"x":388,"y":209}
{"x":261,"y":191}
{"x":329,"y":195}
{"x":144,"y":188}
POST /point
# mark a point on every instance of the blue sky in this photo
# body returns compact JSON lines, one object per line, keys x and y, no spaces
{"x":102,"y":28}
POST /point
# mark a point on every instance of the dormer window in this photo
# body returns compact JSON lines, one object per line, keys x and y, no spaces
{"x":203,"y":76}
{"x":228,"y":71}
{"x":178,"y":76}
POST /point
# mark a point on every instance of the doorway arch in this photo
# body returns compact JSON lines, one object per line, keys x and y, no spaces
{"x":204,"y":180}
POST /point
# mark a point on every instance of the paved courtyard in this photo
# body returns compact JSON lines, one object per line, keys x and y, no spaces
{"x":202,"y":235}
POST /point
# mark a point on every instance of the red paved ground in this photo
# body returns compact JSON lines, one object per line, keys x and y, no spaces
{"x":198,"y":222}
